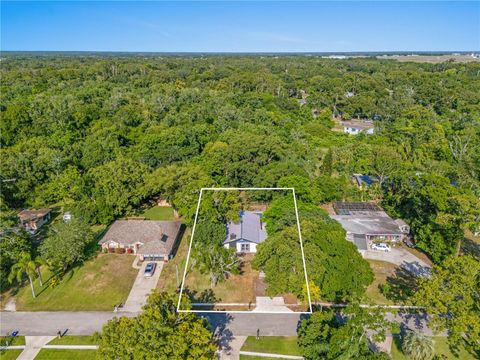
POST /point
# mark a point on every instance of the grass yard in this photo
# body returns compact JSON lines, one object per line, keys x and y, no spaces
{"x":10,"y":354}
{"x":17,"y":340}
{"x":158,"y":213}
{"x":440,"y":345}
{"x":61,"y":354}
{"x":98,"y":284}
{"x":168,"y":279}
{"x":73,"y":340}
{"x":284,"y":345}
{"x":381,"y":271}
{"x":236,"y":289}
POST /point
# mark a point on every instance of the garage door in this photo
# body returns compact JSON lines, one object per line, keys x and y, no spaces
{"x":153,"y":258}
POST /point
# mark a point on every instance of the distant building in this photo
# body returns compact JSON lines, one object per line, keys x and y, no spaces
{"x":355,"y":127}
{"x":245,"y":235}
{"x":366,"y":223}
{"x":148,"y":239}
{"x":33,"y":219}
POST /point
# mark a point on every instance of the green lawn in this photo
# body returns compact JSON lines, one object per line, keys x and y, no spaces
{"x":285,"y":345}
{"x":441,"y":348}
{"x":73,"y":340}
{"x":97,"y":285}
{"x":10,"y":354}
{"x":381,"y":271}
{"x":61,"y":354}
{"x":17,"y":340}
{"x":158,"y":213}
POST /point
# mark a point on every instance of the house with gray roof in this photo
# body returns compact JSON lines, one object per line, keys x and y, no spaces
{"x":148,"y":239}
{"x":245,"y":235}
{"x":366,"y":223}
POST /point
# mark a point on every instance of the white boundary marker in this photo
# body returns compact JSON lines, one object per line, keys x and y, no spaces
{"x":245,"y":311}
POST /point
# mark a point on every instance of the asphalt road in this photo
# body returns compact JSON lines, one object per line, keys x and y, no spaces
{"x":87,"y":322}
{"x":224,"y":324}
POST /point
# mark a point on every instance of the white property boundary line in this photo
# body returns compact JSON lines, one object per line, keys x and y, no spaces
{"x":190,"y":248}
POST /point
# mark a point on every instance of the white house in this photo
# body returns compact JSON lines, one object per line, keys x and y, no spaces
{"x":357,"y":127}
{"x":247,"y":234}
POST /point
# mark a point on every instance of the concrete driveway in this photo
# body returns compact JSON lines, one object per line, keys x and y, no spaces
{"x":402,"y":258}
{"x":142,"y":287}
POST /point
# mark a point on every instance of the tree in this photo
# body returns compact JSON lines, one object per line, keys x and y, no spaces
{"x":65,"y":244}
{"x":26,"y":265}
{"x":326,"y":335}
{"x":417,"y":346}
{"x":216,"y":261}
{"x":450,"y":297}
{"x":159,"y":332}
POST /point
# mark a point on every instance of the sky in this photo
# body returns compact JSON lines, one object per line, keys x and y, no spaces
{"x":240,"y":26}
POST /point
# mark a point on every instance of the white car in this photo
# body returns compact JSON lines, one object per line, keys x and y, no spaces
{"x":381,"y":247}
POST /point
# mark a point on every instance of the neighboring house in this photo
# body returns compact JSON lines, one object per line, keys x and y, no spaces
{"x":356,"y":127}
{"x":247,"y":234}
{"x":366,"y":223}
{"x":33,"y":219}
{"x":364,"y":181}
{"x":150,"y":240}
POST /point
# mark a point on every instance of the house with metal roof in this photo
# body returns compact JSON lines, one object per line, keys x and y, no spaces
{"x":150,"y":240}
{"x":245,"y":235}
{"x":366,"y":223}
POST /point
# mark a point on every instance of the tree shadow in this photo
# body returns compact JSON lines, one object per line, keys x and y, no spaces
{"x":219,"y":324}
{"x":204,"y":299}
{"x":400,"y":286}
{"x":471,"y":247}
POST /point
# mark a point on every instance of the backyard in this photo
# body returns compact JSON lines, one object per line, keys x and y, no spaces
{"x":158,"y":213}
{"x":98,"y":284}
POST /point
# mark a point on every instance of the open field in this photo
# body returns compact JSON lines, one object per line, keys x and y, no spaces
{"x":98,"y":284}
{"x":73,"y":340}
{"x":440,"y":346}
{"x":61,"y":354}
{"x":430,"y":58}
{"x":285,"y":345}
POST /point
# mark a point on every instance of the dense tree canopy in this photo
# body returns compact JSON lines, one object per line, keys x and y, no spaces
{"x":159,"y":332}
{"x":101,"y":135}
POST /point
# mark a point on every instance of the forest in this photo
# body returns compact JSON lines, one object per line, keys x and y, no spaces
{"x":101,"y":135}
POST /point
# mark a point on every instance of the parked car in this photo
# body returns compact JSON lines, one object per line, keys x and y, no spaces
{"x":381,"y":247}
{"x":149,"y":269}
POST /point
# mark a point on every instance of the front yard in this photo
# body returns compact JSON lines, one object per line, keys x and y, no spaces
{"x":238,"y":289}
{"x":396,"y":280}
{"x":62,"y":354}
{"x":284,"y":345}
{"x":440,"y":346}
{"x":97,"y":285}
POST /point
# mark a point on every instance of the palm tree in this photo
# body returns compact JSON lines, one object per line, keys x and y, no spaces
{"x":417,"y":346}
{"x":26,"y":265}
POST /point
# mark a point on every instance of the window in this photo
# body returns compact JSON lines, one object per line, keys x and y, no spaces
{"x":245,"y":247}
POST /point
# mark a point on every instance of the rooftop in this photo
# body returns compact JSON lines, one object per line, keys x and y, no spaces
{"x":156,"y":237}
{"x":368,"y":225}
{"x":32,"y":214}
{"x":249,"y":228}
